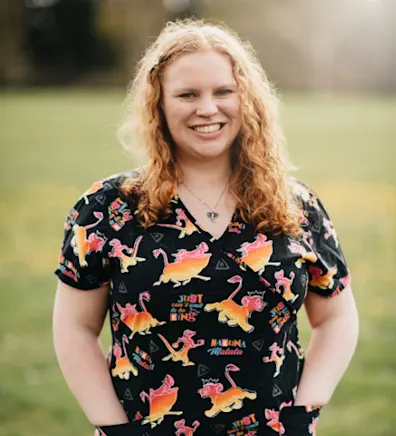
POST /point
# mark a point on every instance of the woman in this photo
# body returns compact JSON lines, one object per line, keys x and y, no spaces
{"x":203,"y":259}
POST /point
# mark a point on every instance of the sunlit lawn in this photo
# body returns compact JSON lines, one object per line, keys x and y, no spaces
{"x":54,"y":144}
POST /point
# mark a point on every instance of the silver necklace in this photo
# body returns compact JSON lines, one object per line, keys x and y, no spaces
{"x":212,"y":214}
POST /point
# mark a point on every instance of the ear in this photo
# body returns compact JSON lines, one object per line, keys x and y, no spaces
{"x":219,"y":387}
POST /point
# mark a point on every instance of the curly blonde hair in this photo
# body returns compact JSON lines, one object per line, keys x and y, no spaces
{"x":260,"y":164}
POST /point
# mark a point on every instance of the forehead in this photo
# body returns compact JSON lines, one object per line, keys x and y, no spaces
{"x":201,"y":69}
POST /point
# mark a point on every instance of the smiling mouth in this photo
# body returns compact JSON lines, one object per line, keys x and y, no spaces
{"x":208,"y":129}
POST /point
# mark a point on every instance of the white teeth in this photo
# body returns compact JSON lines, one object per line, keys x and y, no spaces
{"x":207,"y":129}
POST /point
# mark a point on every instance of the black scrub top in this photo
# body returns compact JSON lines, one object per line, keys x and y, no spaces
{"x":204,"y":330}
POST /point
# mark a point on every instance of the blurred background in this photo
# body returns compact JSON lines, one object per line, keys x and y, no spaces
{"x":64,"y":68}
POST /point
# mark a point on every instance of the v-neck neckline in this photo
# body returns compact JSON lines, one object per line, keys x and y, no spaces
{"x":200,"y":227}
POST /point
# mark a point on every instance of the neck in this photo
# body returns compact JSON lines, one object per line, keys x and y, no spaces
{"x":205,"y":175}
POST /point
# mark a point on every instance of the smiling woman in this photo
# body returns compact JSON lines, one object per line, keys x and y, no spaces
{"x":203,"y":259}
{"x":193,"y":77}
{"x":201,"y":105}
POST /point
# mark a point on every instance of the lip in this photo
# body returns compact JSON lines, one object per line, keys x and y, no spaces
{"x":210,"y":135}
{"x":208,"y":124}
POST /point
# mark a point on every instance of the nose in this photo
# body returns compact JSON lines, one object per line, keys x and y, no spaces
{"x":207,"y":107}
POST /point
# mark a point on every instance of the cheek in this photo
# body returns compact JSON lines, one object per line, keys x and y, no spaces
{"x":176,"y":119}
{"x":175,"y":113}
{"x":233,"y":110}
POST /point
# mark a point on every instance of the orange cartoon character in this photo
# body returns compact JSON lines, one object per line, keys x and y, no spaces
{"x":97,"y":186}
{"x":292,"y":346}
{"x":305,"y":254}
{"x":186,"y":230}
{"x":161,"y":401}
{"x":305,"y":194}
{"x":114,"y":318}
{"x":123,"y":366}
{"x":187,"y":266}
{"x":234,"y":314}
{"x":257,"y":254}
{"x":183,"y":430}
{"x":273,"y":421}
{"x":277,"y":356}
{"x":285,"y":282}
{"x":138,"y":322}
{"x":321,"y":281}
{"x":228,"y":400}
{"x":125,"y":260}
{"x":330,"y":231}
{"x":273,"y":417}
{"x":312,"y":427}
{"x":83,"y":246}
{"x":182,"y":354}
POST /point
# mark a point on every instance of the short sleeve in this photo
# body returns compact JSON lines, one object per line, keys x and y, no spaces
{"x":299,"y":420}
{"x":82,"y":262}
{"x":328,"y":273}
{"x":130,"y":428}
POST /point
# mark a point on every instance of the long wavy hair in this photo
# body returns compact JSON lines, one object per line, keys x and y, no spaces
{"x":259,"y":161}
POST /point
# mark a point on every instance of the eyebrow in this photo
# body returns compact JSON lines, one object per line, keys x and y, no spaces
{"x":192,"y":89}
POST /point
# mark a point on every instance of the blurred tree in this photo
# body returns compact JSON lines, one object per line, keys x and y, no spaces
{"x":14,"y":65}
{"x":62,"y":36}
{"x":303,"y":44}
{"x":132,"y":27}
{"x":316,"y":44}
{"x":183,"y":8}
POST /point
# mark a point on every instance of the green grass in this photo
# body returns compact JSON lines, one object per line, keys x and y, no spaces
{"x":55,"y":143}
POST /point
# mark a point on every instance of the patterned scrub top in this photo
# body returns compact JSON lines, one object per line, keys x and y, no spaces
{"x":204,"y":330}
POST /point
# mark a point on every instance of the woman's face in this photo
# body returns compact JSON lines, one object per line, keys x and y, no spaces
{"x":201,"y":105}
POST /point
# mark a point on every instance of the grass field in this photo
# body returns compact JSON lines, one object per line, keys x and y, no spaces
{"x":55,"y":143}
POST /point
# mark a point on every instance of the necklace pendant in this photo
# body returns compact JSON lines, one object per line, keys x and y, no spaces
{"x":212,"y":216}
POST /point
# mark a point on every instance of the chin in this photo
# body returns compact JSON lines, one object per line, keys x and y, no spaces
{"x":213,"y":153}
{"x":214,"y":149}
{"x":203,"y":149}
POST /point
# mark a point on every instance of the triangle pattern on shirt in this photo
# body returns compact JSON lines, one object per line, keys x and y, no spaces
{"x":316,"y":227}
{"x":157,"y":236}
{"x":276,"y":391}
{"x":128,"y":395}
{"x":100,"y":199}
{"x":91,"y":279}
{"x":202,"y":370}
{"x":107,"y":186}
{"x":122,"y":289}
{"x":153,"y":347}
{"x":258,"y":344}
{"x":222,"y":265}
{"x":217,"y":428}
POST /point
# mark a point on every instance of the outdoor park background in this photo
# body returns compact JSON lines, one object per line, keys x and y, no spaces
{"x":334,"y":65}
